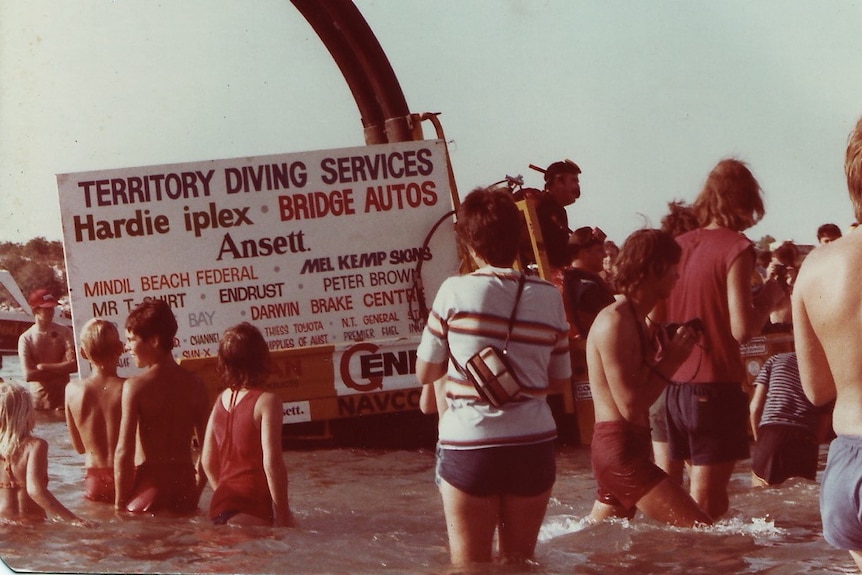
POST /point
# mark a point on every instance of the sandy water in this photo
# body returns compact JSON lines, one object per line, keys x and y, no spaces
{"x":375,"y":510}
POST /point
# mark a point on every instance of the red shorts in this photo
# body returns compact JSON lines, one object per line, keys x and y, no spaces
{"x":621,"y":463}
{"x":99,"y":484}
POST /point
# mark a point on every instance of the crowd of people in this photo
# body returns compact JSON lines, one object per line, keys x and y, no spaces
{"x":663,"y":318}
{"x":138,"y":435}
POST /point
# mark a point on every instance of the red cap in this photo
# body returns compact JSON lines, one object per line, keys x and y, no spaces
{"x":41,"y":298}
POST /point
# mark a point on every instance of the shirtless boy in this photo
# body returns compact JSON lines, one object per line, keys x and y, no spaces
{"x":630,"y":361}
{"x":827,"y":320}
{"x":93,"y":408}
{"x":164,"y":406}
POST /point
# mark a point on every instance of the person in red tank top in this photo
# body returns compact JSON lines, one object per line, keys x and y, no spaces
{"x":707,"y":409}
{"x":242,"y":455}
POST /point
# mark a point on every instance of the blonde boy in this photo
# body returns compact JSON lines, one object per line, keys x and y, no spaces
{"x":93,"y":408}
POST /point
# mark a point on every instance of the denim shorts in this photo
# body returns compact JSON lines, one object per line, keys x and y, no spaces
{"x":522,"y":470}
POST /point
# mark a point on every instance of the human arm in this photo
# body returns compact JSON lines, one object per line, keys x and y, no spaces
{"x":37,"y":482}
{"x":814,"y":370}
{"x":430,"y":375}
{"x":201,"y":417}
{"x":210,"y":459}
{"x":73,"y":394}
{"x":124,"y":454}
{"x":634,"y":382}
{"x":271,"y":422}
{"x":748,"y":314}
{"x":755,"y":408}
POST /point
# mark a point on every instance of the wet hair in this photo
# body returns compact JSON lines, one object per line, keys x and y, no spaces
{"x":154,"y":318}
{"x":490,"y":224}
{"x":16,"y":417}
{"x":679,"y":219}
{"x":853,"y":169}
{"x":644,"y":252}
{"x":828,"y":230}
{"x":243,"y":357}
{"x":731,"y":197}
{"x":100,"y":341}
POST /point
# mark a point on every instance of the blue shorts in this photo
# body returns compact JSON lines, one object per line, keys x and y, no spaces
{"x":707,"y":423}
{"x":840,"y":493}
{"x":522,"y":470}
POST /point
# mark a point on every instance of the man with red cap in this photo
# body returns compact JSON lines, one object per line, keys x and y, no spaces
{"x":47,"y":353}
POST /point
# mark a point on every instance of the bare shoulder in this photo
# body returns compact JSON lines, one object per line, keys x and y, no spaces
{"x":610,"y":321}
{"x":831,"y":268}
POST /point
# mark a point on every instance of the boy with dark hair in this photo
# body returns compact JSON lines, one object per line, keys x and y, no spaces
{"x":164,"y":407}
{"x":630,"y":361}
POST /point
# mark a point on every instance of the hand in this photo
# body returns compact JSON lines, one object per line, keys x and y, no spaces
{"x":677,"y":347}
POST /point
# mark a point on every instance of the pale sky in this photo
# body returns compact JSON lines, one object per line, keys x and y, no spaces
{"x":645,"y":96}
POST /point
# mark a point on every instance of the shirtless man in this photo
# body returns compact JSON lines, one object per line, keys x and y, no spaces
{"x":93,"y":408}
{"x":47,"y":353}
{"x":165,"y":406}
{"x":827,"y":319}
{"x":630,"y":361}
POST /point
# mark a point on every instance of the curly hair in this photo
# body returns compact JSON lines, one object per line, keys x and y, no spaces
{"x":645,"y":252}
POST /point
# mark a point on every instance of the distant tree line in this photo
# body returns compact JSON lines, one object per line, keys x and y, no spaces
{"x":39,"y":263}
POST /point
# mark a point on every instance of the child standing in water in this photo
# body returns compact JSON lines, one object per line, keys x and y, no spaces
{"x":24,"y":490}
{"x":94,"y":408}
{"x":242,"y":447}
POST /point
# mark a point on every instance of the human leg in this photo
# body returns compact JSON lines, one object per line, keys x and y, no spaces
{"x":668,"y":502}
{"x":470,"y":523}
{"x":520,"y":521}
{"x":709,"y":487}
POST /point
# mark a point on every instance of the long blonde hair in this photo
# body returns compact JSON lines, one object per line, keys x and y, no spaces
{"x":16,"y":417}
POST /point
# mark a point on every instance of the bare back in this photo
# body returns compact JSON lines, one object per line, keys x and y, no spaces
{"x":827,"y":316}
{"x":171,"y":406}
{"x":93,"y":411}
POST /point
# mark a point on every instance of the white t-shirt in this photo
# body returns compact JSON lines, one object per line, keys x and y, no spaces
{"x":473,"y":311}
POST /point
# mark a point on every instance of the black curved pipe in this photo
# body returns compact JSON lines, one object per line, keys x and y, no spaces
{"x":364,"y":65}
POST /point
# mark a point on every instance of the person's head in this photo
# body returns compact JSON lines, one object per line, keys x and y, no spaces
{"x":587,"y":248}
{"x":153,"y":319}
{"x":16,"y":416}
{"x":763,"y":257}
{"x":786,"y":254}
{"x":731,"y":197}
{"x":612,"y":250}
{"x":853,"y":169}
{"x":42,"y":302}
{"x":243,"y":357}
{"x":647,"y":254}
{"x":562,"y":181}
{"x":489,"y":224}
{"x":828,"y":233}
{"x":100,"y":342}
{"x":679,"y":219}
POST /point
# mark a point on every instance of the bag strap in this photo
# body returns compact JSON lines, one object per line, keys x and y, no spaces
{"x":521,"y":281}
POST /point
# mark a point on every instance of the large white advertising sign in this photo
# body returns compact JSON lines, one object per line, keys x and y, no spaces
{"x":314,"y":248}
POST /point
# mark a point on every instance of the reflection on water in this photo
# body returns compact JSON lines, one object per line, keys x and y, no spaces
{"x":375,"y":510}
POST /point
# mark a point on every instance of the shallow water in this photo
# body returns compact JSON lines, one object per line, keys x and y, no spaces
{"x":367,"y":510}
